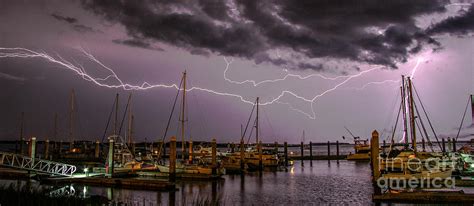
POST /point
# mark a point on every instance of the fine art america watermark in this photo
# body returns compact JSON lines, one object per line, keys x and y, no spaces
{"x":411,"y":173}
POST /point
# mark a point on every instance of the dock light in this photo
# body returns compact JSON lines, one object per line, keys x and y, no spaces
{"x":86,"y":170}
{"x":291,"y":153}
{"x":472,"y":165}
{"x":156,"y":152}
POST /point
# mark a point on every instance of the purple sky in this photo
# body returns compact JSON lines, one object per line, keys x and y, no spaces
{"x":154,"y":42}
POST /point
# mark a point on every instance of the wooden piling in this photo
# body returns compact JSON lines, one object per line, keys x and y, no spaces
{"x":172,"y":169}
{"x":110,"y":162}
{"x":310,"y":154}
{"x":423,"y":145}
{"x":285,"y":147}
{"x":33,"y":149}
{"x":374,"y":155}
{"x":97,"y":149}
{"x":46,"y":149}
{"x":337,"y":151}
{"x":276,"y":148}
{"x":329,"y":152}
{"x":214,"y":156}
{"x":302,"y":154}
{"x":454,"y":145}
{"x":191,"y":152}
{"x":449,"y":145}
{"x":232,"y":147}
{"x":242,"y":156}
{"x":260,"y":156}
{"x":443,"y":143}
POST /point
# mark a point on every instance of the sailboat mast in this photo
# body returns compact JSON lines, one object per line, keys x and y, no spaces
{"x":116,"y":113}
{"x":256,"y":124}
{"x":183,"y":116}
{"x":130,"y":125}
{"x":412,"y":114}
{"x":71,"y":120}
{"x":404,"y":105}
{"x":472,"y":110}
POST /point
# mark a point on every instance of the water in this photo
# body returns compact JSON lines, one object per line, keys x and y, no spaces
{"x":344,"y":183}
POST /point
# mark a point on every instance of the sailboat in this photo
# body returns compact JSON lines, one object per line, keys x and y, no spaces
{"x":253,"y":157}
{"x":408,"y":162}
{"x":202,"y":167}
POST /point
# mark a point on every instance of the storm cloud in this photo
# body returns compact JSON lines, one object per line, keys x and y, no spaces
{"x":369,"y":31}
{"x":458,"y":25}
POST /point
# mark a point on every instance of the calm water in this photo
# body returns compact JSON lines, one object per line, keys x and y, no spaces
{"x":346,"y":183}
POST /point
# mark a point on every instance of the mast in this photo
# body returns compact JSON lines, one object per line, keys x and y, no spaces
{"x":472,"y":110}
{"x":116,"y":113}
{"x":130,"y":124}
{"x":404,"y":105}
{"x":412,"y":114}
{"x":256,"y":124}
{"x":71,"y":119}
{"x":183,"y":115}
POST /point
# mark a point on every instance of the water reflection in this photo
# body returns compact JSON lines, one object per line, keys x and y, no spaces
{"x":346,"y":183}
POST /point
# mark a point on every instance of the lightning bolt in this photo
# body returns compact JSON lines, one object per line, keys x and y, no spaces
{"x":114,"y":81}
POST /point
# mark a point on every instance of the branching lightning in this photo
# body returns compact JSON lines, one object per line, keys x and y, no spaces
{"x":114,"y":81}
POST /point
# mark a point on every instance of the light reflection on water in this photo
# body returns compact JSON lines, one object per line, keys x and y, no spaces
{"x":346,"y":183}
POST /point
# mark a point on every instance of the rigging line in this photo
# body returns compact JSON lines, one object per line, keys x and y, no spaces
{"x":123,"y":120}
{"x":392,"y":116}
{"x":169,"y":119}
{"x":395,"y":128}
{"x":424,"y":128}
{"x":108,"y":122}
{"x":419,"y":129}
{"x":269,"y":124}
{"x":426,"y":114}
{"x":251,"y":131}
{"x":463,"y":116}
{"x":200,"y":109}
{"x":248,"y":122}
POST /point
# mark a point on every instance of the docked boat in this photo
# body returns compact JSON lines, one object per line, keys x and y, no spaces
{"x":407,"y":162}
{"x":362,"y":151}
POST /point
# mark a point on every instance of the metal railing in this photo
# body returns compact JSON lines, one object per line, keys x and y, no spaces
{"x":36,"y":164}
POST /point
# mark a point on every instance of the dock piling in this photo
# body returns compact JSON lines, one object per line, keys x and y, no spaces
{"x":285,"y":147}
{"x":337,"y":151}
{"x":214,"y":156}
{"x":110,"y":162}
{"x":32,"y":149}
{"x":191,"y":152}
{"x":97,"y":149}
{"x":302,"y":154}
{"x":242,"y":155}
{"x":310,"y":154}
{"x":260,"y":156}
{"x":276,"y":148}
{"x":454,"y":145}
{"x":423,"y":144}
{"x":450,"y":149}
{"x":329,"y":152}
{"x":172,"y":169}
{"x":374,"y":155}
{"x":443,"y":143}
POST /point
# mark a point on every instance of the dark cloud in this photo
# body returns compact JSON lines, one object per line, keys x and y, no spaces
{"x":459,"y":25}
{"x":137,"y":43}
{"x":67,"y":19}
{"x":367,"y":31}
{"x":83,"y":29}
{"x":201,"y":52}
{"x":75,"y":23}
